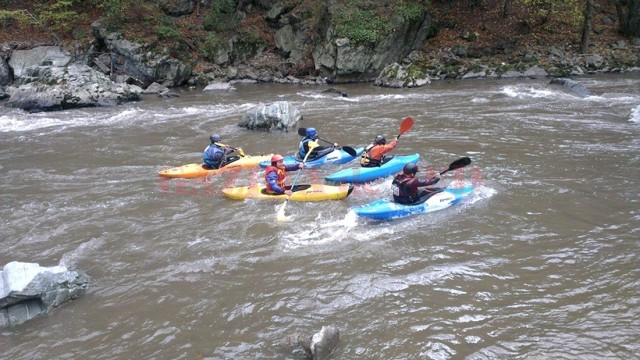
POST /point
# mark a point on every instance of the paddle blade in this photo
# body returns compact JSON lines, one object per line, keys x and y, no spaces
{"x":349,"y":150}
{"x":302,"y":131}
{"x":281,"y":216}
{"x":462,"y":162}
{"x":406,"y":125}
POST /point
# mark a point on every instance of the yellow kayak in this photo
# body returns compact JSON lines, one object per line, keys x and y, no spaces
{"x":314,"y":192}
{"x":191,"y":171}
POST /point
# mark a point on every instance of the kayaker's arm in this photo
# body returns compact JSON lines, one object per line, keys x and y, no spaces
{"x":272,"y":179}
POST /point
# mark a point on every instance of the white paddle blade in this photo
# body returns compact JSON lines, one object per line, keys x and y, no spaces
{"x":281,"y":216}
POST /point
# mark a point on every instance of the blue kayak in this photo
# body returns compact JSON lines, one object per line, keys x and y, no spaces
{"x":366,"y":174}
{"x":337,"y":156}
{"x":387,"y":209}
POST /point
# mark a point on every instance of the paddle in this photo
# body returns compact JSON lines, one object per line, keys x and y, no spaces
{"x":281,"y":215}
{"x":348,"y":149}
{"x":406,"y":125}
{"x":462,"y":162}
{"x":239,"y":150}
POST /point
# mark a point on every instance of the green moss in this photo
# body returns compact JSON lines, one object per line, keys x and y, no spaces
{"x":221,"y":17}
{"x":168,"y":33}
{"x":360,"y":25}
{"x":212,"y":44}
{"x":12,"y":18}
{"x":410,"y":11}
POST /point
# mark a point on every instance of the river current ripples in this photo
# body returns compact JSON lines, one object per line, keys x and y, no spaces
{"x":541,"y":261}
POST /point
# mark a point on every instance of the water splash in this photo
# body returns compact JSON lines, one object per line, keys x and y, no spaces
{"x":634,"y":117}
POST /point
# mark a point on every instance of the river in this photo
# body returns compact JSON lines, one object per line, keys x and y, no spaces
{"x":540,"y":262}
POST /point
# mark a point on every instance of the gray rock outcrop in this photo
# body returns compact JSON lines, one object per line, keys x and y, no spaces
{"x":6,"y":73}
{"x":343,"y":60}
{"x":28,"y":290}
{"x":281,"y":115}
{"x":22,"y":60}
{"x":135,"y":60}
{"x":48,"y":88}
{"x":47,"y":80}
{"x":574,"y":86}
{"x":398,"y":76}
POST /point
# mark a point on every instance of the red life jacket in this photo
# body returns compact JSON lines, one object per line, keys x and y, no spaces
{"x":281,"y":176}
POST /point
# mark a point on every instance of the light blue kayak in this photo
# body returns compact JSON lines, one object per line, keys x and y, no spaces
{"x":387,"y":209}
{"x":366,"y":174}
{"x":337,"y":156}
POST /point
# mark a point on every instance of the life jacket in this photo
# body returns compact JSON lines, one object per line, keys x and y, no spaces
{"x":281,"y":177}
{"x":301,"y":151}
{"x":213,"y":156}
{"x":366,"y":160}
{"x":402,"y":192}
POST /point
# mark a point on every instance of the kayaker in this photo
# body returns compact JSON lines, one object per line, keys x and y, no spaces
{"x":405,"y":185}
{"x":274,"y":175}
{"x":215,"y":155}
{"x":318,"y":151}
{"x":374,"y":154}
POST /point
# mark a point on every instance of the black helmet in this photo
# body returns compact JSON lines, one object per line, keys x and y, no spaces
{"x":410,"y":168}
{"x":381,"y":140}
{"x":215,"y":138}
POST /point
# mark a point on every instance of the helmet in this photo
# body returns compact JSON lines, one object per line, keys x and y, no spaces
{"x":215,"y":138}
{"x":275,"y":158}
{"x":410,"y":168}
{"x":381,"y":140}
{"x":311,"y":133}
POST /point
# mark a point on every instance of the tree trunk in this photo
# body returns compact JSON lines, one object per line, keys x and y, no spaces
{"x":586,"y":28}
{"x":505,"y":10}
{"x":629,"y":17}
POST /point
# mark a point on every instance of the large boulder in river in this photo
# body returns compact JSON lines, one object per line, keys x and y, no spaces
{"x":281,"y":115}
{"x":28,"y":290}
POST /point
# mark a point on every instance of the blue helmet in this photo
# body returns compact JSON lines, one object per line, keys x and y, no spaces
{"x":311,"y":133}
{"x":215,"y":138}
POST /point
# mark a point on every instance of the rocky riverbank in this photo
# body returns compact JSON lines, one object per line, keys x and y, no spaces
{"x":113,"y":69}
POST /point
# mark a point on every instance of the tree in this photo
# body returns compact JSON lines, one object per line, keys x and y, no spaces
{"x":586,"y":28}
{"x":629,"y":17}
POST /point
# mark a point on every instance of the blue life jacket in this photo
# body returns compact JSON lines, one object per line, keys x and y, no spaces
{"x":213,"y":156}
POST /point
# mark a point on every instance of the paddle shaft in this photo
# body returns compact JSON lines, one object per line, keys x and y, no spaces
{"x":227,"y":146}
{"x":293,"y":184}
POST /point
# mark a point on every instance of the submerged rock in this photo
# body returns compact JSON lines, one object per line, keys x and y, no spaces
{"x":28,"y":290}
{"x":319,"y":346}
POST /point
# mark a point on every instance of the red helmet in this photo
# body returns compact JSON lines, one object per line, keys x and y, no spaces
{"x":275,"y":158}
